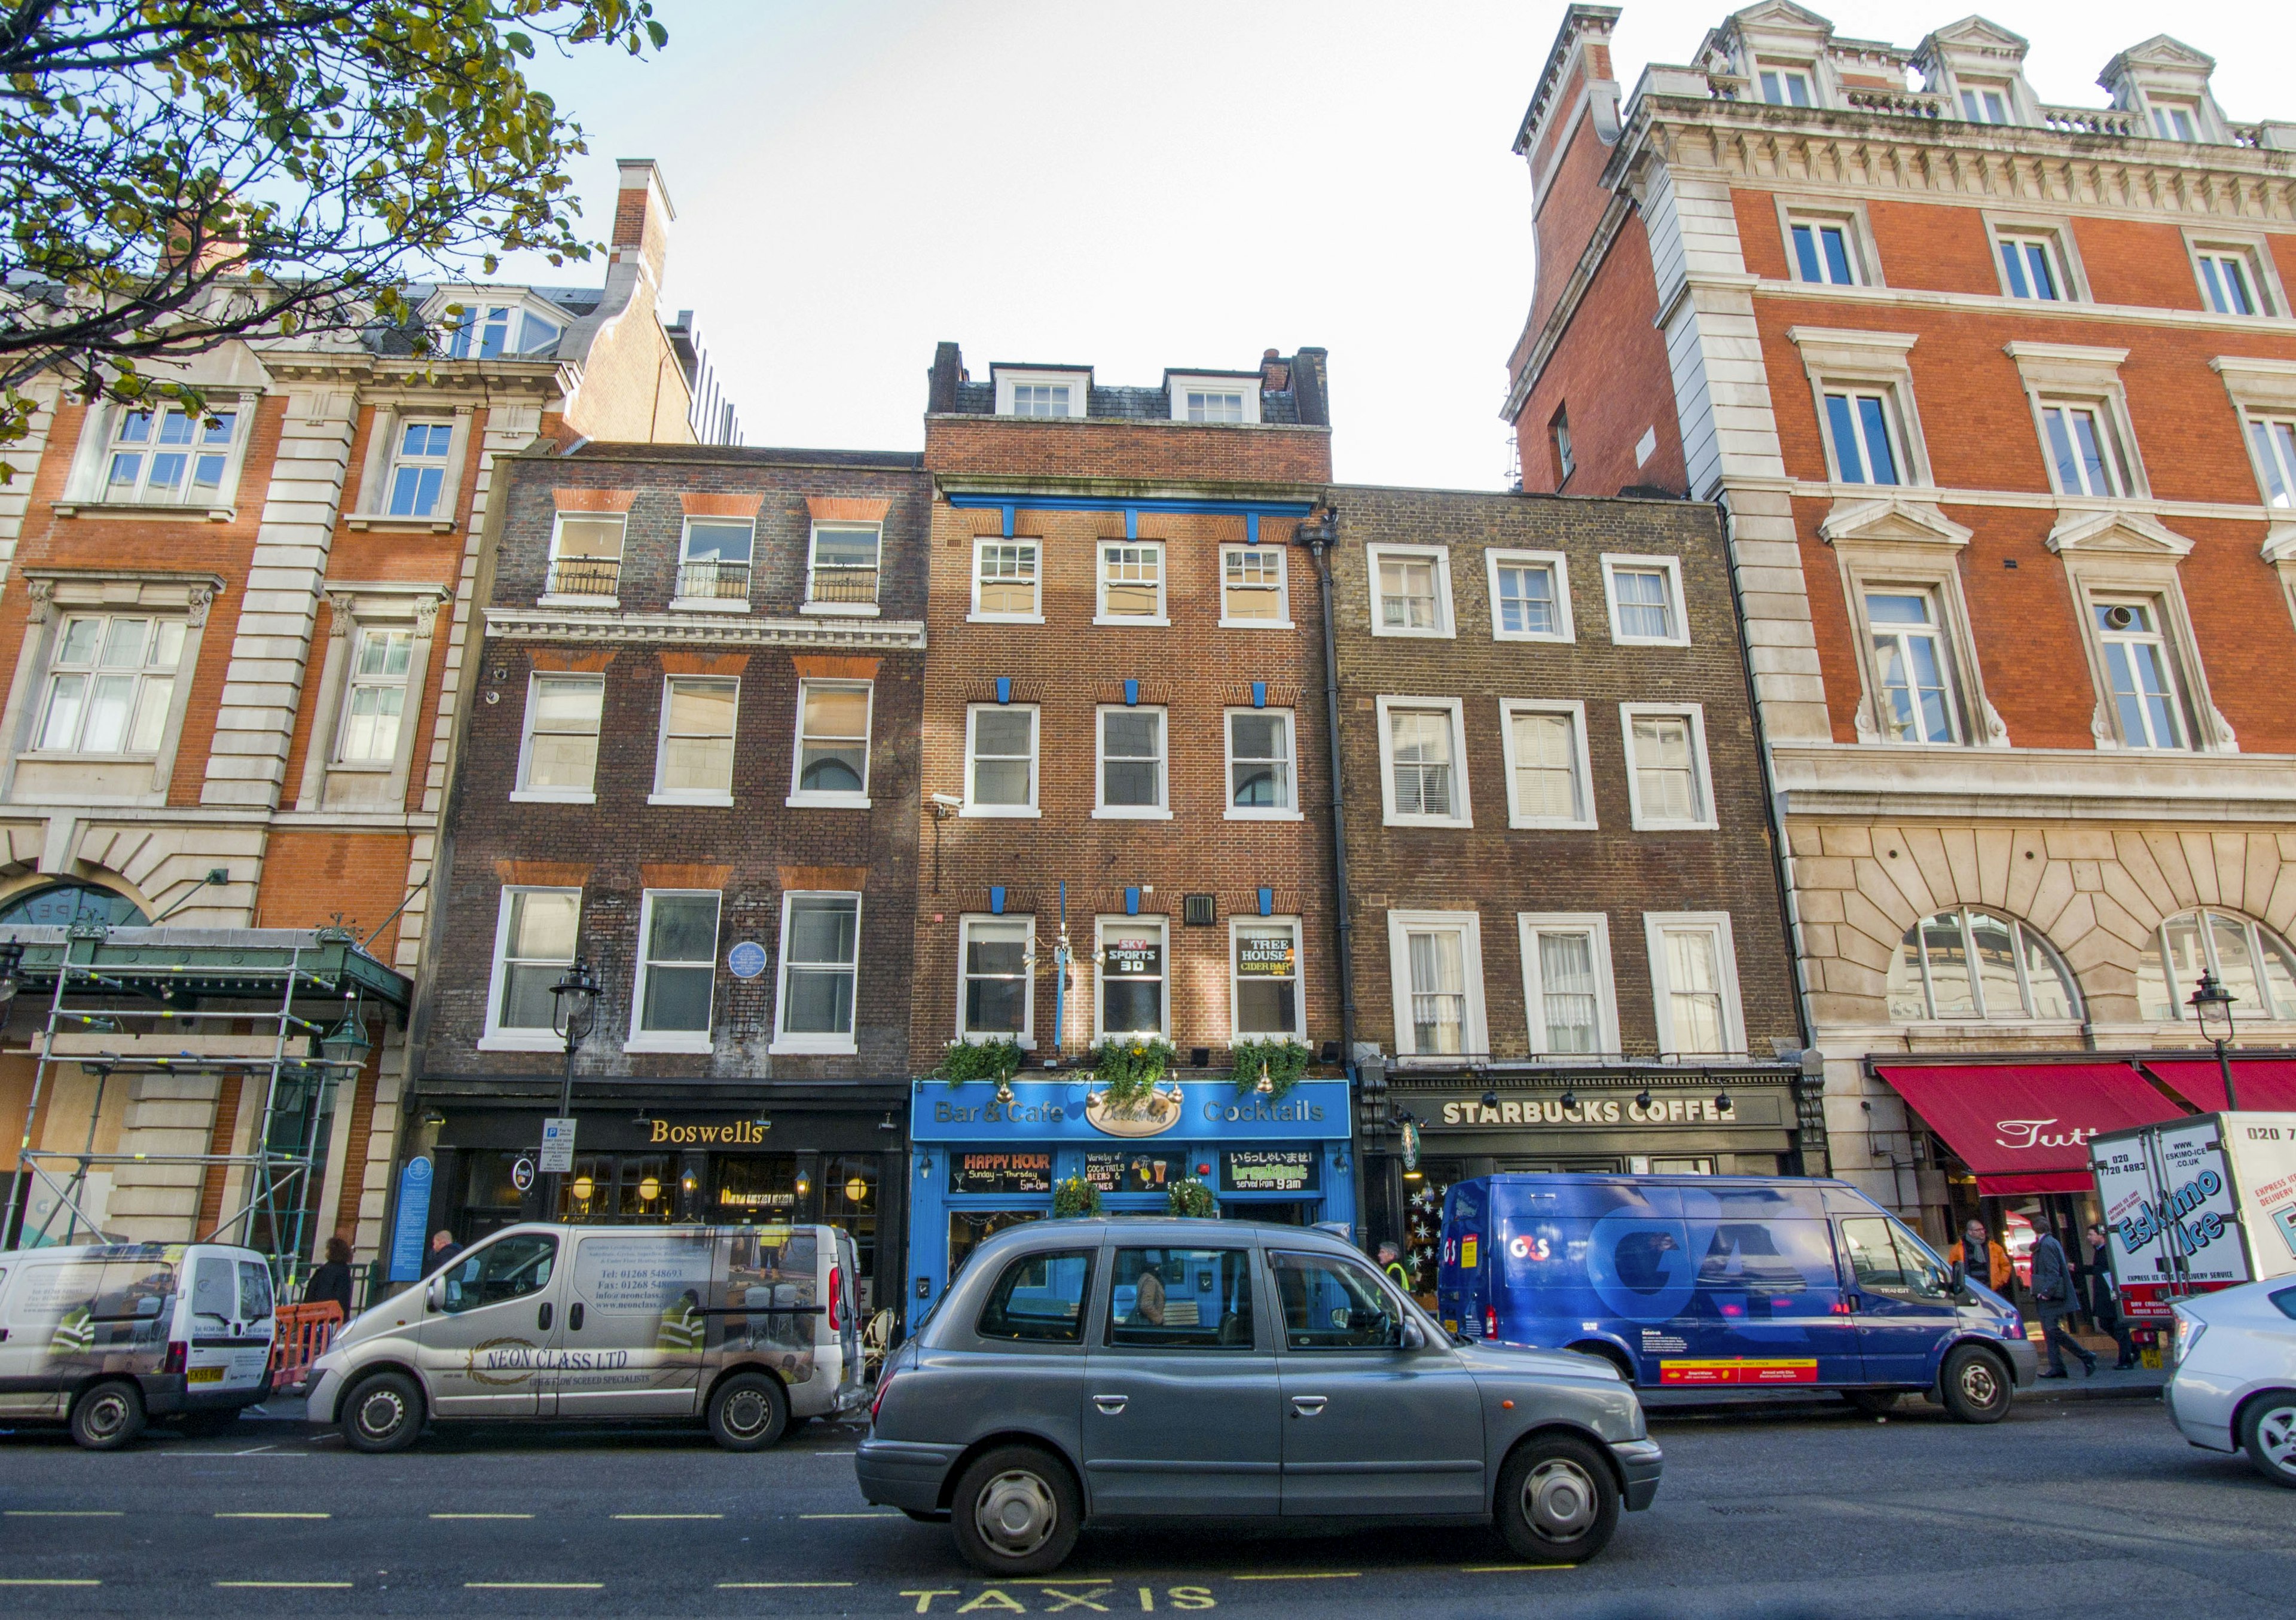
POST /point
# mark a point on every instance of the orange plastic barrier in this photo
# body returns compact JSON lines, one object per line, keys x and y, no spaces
{"x":305,"y":1332}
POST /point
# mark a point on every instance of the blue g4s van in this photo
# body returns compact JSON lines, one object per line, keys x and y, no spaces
{"x":1689,"y":1280}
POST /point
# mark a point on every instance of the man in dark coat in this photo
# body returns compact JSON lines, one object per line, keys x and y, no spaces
{"x":2053,"y":1298}
{"x":2104,"y":1299}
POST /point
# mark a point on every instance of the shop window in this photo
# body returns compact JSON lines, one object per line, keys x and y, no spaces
{"x":1131,"y":768}
{"x":1973,"y":964}
{"x":1039,"y":1298}
{"x":62,"y":904}
{"x":1259,"y":775}
{"x":755,"y":1189}
{"x":648,"y":1190}
{"x":831,"y":767}
{"x":1130,"y":970}
{"x":1669,"y":787}
{"x":843,"y":575}
{"x":1567,"y":987}
{"x":695,"y":761}
{"x":1531,"y":596}
{"x":713,"y":562}
{"x":1264,"y":977}
{"x":996,"y":989}
{"x":533,"y":945}
{"x":375,"y":697}
{"x":677,"y":970}
{"x":821,"y":937}
{"x":1000,"y":760}
{"x":849,"y":1202}
{"x":558,"y":757}
{"x":1547,"y":770}
{"x":1694,"y":982}
{"x":1005,"y":581}
{"x":1181,"y":1299}
{"x":112,"y":685}
{"x":2250,"y":959}
{"x":1423,"y":751}
{"x":1411,"y":590}
{"x":1253,"y":591}
{"x":589,"y":1194}
{"x":1436,"y":959}
{"x":969,"y":1229}
{"x":585,"y":556}
{"x":1131,"y":583}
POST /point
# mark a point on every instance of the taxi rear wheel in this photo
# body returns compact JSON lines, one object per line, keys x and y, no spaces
{"x":1016,"y":1512}
{"x":2268,"y":1432}
{"x":1558,"y":1501}
{"x":382,"y":1414}
{"x":108,"y":1417}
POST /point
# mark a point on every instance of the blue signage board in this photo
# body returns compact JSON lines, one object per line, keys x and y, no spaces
{"x":1074,"y":1111}
{"x":413,"y":1216}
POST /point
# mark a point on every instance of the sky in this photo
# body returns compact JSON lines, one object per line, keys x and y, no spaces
{"x":1184,"y":184}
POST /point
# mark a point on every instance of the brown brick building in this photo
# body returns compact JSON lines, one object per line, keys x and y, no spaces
{"x":692,"y":762}
{"x":2000,"y":400}
{"x":1567,"y":934}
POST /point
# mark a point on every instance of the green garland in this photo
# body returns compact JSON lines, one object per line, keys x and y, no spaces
{"x":1075,"y":1196}
{"x":1128,"y":1070}
{"x":963,"y":1060}
{"x":1193,"y":1200}
{"x":1285,"y":1061}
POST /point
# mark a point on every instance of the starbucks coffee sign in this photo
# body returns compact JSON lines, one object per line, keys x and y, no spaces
{"x":1468,"y":1113}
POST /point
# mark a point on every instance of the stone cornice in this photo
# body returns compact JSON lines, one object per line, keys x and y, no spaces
{"x":680,"y":630}
{"x":1887,"y":780}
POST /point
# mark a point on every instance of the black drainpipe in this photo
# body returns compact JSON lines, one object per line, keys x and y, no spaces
{"x":1318,"y":536}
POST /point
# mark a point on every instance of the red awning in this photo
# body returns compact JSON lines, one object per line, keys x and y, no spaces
{"x":2024,"y":1128}
{"x":2262,"y":1083}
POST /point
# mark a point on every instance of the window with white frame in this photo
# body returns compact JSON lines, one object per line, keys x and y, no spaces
{"x":585,"y":554}
{"x":419,"y":460}
{"x":843,"y":575}
{"x":1567,"y":994}
{"x":2175,"y":120}
{"x":1411,"y":590}
{"x":1260,"y":778}
{"x":1531,"y":596}
{"x":2248,"y":959}
{"x":1128,"y":972}
{"x":1694,"y":983}
{"x":1213,"y":405}
{"x":1435,"y":960}
{"x":1913,"y":684}
{"x":1785,"y":87}
{"x":1646,"y":598}
{"x":2032,"y":267}
{"x":2084,"y":452}
{"x":1558,"y":435}
{"x":558,"y":758}
{"x":374,"y":697}
{"x":1000,"y":759}
{"x":678,"y":966}
{"x":1859,"y":431}
{"x":1131,"y":767}
{"x":995,"y":994}
{"x":821,"y":946}
{"x":2229,"y":281}
{"x":1984,"y":104}
{"x":695,"y":763}
{"x":1669,"y":786}
{"x":1253,"y":591}
{"x":169,"y":455}
{"x":1422,"y":749}
{"x":833,"y":743}
{"x":1264,"y":977}
{"x":1825,"y":251}
{"x":533,"y":945}
{"x":714,"y":558}
{"x":1005,"y":581}
{"x":1547,"y":774}
{"x":1041,"y":400}
{"x":486,"y":333}
{"x":111,"y":684}
{"x":2147,"y":710}
{"x":2273,"y":440}
{"x":1967,"y":964}
{"x":1131,"y":581}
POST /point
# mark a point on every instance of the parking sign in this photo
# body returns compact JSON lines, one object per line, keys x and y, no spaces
{"x":557,"y":1158}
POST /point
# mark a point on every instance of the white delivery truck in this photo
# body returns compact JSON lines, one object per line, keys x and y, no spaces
{"x":2196,"y":1204}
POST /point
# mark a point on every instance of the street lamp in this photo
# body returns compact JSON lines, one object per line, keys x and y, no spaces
{"x":2211,"y":1005}
{"x":573,"y":1010}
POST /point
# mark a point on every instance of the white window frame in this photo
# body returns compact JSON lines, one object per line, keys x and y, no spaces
{"x":1389,"y":816}
{"x":1942,"y":631}
{"x":496,"y":1036}
{"x":1575,"y":709}
{"x":1446,"y":622}
{"x":522,"y":793}
{"x":1035,"y":616}
{"x":1099,"y":613}
{"x":2274,"y":459}
{"x":686,"y":603}
{"x":1027,"y":921}
{"x":1528,"y":926}
{"x":1784,"y":71}
{"x":1656,"y":925}
{"x":1970,"y":93}
{"x":1474,"y":1030}
{"x":2254,"y":250}
{"x":1236,"y":925}
{"x":801,"y":797}
{"x":1029,"y":811}
{"x":1857,"y":240}
{"x":2160,"y":636}
{"x":2064,"y":253}
{"x":444,"y":463}
{"x":642,"y":964}
{"x":2109,"y":555}
{"x":844,"y":609}
{"x":1839,"y":361}
{"x":710,"y":797}
{"x":1230,"y":809}
{"x":2264,"y":394}
{"x":178,"y":677}
{"x":1077,"y":381}
{"x":1696,"y":713}
{"x":2164,"y":113}
{"x":1856,"y":395}
{"x":1283,"y":619}
{"x":1558,"y":566}
{"x":231,"y":451}
{"x":1179,"y":384}
{"x":2112,"y":448}
{"x":584,"y":599}
{"x":1101,"y":810}
{"x":354,"y":683}
{"x":1162,"y":928}
{"x":831,"y":1045}
{"x":1671,"y":567}
{"x":2058,"y":375}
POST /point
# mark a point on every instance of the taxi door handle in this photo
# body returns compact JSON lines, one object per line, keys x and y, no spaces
{"x":542,"y":1317}
{"x":574,"y":1317}
{"x":1112,"y":1406}
{"x":1309,"y":1406}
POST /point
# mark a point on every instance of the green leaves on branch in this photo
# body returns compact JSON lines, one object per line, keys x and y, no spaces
{"x":994,"y":1060}
{"x":1284,"y":1062}
{"x":1129,"y":1069}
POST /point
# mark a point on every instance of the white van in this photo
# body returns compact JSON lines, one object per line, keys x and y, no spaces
{"x":104,"y":1335}
{"x":751,"y":1329}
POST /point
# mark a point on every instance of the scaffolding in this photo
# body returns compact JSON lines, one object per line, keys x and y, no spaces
{"x":204,"y":1003}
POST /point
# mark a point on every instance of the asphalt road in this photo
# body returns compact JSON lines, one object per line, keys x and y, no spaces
{"x":2083,"y":1508}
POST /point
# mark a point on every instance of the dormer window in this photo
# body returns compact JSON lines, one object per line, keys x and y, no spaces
{"x":1206,"y":404}
{"x":1784,"y":86}
{"x":1040,"y":400}
{"x":1043,"y":391}
{"x":2176,"y":120}
{"x":494,"y":332}
{"x":1986,"y":103}
{"x":1212,"y":396}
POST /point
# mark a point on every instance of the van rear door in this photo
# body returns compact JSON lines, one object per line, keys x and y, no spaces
{"x":846,"y":1313}
{"x":228,"y":1322}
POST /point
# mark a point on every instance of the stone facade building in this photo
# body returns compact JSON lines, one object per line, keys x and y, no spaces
{"x":1997,"y":397}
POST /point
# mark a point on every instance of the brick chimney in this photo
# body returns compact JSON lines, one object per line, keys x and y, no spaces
{"x":1274,"y":372}
{"x":642,"y":216}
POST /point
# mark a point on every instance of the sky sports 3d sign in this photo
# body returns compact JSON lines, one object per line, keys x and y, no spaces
{"x":1055,"y":1110}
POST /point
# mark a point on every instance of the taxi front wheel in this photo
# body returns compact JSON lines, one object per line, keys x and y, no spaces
{"x":1558,"y":1501}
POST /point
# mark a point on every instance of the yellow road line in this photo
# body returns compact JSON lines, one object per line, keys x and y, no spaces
{"x":275,"y":1516}
{"x":288,"y":1586}
{"x":67,"y":1513}
{"x":533,"y":1585}
{"x":850,"y":1516}
{"x":782,"y":1585}
{"x":1347,"y":1575}
{"x":651,"y":1516}
{"x":482,"y":1515}
{"x":25,"y":1581}
{"x":1507,"y":1569}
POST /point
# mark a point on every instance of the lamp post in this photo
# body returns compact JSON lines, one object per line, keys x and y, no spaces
{"x":2211,"y":1005}
{"x":573,"y":1009}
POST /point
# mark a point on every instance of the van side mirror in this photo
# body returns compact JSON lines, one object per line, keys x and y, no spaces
{"x":1413,"y":1337}
{"x":430,"y":1297}
{"x":1955,"y":1279}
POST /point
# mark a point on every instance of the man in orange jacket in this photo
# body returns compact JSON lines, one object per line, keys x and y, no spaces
{"x":1974,"y":1244}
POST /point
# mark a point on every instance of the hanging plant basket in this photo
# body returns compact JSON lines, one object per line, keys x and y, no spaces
{"x":1193,"y":1200}
{"x":1128,"y":1070}
{"x":1075,"y":1196}
{"x":990,"y":1061}
{"x":1284,"y":1063}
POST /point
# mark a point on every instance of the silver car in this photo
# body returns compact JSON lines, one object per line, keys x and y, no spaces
{"x":1106,"y":1371}
{"x":2234,"y":1387}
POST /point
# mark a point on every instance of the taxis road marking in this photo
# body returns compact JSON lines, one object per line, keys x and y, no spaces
{"x":653,"y":1516}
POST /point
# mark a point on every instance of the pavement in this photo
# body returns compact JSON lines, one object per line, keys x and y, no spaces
{"x":2070,"y":1507}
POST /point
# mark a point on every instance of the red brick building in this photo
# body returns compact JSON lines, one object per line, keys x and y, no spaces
{"x":1999,"y":401}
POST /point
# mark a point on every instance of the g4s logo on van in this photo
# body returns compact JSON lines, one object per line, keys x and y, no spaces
{"x":511,"y":1362}
{"x":1530,"y":1248}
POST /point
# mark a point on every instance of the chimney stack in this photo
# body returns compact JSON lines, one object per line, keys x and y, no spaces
{"x":642,"y":216}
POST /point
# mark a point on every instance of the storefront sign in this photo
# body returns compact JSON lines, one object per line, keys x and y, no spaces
{"x":1410,"y":1142}
{"x":414,"y":1219}
{"x":1269,"y":1170}
{"x":1136,"y":958}
{"x":1134,"y":1172}
{"x":557,"y":1156}
{"x":1588,"y":1111}
{"x":1264,"y":955}
{"x":1000,"y":1173}
{"x":733,"y":1134}
{"x":1150,"y":1116}
{"x":1060,"y":1110}
{"x":521,"y":1174}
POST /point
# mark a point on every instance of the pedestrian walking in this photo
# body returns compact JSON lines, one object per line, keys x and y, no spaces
{"x":1391,"y":1261}
{"x":2104,"y":1299}
{"x":1980,"y":1259}
{"x":333,"y":1278}
{"x":443,"y":1249}
{"x":2053,"y":1298}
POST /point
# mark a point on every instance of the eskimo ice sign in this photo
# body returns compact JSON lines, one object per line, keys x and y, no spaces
{"x":1150,"y":1116}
